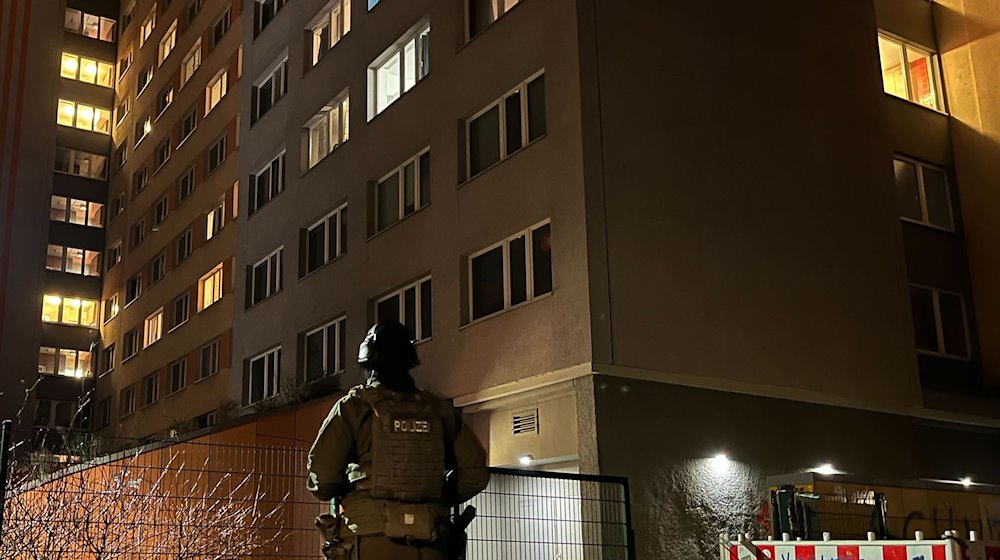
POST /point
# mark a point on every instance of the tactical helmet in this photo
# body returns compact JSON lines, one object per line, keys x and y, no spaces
{"x":388,"y":347}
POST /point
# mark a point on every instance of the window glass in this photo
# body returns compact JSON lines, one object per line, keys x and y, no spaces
{"x":536,"y":108}
{"x":487,"y":283}
{"x":924,"y":323}
{"x":512,"y":115}
{"x":893,"y":76}
{"x":541,"y":251}
{"x":484,"y":141}
{"x":518,"y":271}
{"x":388,"y":201}
{"x":936,"y":195}
{"x":953,"y":325}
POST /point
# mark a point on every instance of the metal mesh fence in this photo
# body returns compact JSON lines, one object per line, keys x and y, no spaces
{"x":217,"y":500}
{"x":536,"y":516}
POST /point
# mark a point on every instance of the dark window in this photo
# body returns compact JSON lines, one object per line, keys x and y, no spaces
{"x":541,"y":259}
{"x":185,"y":184}
{"x":188,"y":124}
{"x":158,"y":268}
{"x":130,"y":344}
{"x":117,"y":205}
{"x":411,"y":306}
{"x":181,"y":311}
{"x":487,"y":283}
{"x":133,"y":288}
{"x":162,"y":153}
{"x":510,"y":274}
{"x":268,"y":183}
{"x":164,"y":99}
{"x":161,"y":210}
{"x":221,"y":27}
{"x":536,"y":108}
{"x":484,"y":141}
{"x":108,"y":359}
{"x":939,"y":322}
{"x":184,"y":246}
{"x":139,"y":181}
{"x":178,"y":375}
{"x":209,"y":360}
{"x":216,"y":154}
{"x":151,"y":389}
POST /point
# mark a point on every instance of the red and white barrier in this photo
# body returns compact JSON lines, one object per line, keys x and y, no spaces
{"x":939,"y":549}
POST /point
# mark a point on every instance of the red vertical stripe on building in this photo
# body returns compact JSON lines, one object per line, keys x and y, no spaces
{"x":8,"y":220}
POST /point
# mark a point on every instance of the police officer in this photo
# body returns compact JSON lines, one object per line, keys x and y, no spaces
{"x":396,"y":459}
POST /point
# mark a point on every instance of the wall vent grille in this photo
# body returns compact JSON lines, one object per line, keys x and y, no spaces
{"x":525,"y":422}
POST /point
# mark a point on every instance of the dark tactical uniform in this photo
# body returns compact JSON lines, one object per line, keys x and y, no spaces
{"x":385,"y":453}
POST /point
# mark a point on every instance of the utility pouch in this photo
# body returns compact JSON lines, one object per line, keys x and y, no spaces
{"x":411,"y":521}
{"x":334,"y":547}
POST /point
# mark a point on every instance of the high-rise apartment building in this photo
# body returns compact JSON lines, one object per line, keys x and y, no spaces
{"x":630,"y":238}
{"x":57,"y":72}
{"x":167,"y":309}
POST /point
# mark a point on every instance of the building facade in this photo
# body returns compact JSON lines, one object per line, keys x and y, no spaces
{"x":166,"y":329}
{"x":631,"y":241}
{"x":57,"y":91}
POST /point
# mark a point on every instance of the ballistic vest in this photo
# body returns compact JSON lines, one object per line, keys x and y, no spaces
{"x":408,"y":455}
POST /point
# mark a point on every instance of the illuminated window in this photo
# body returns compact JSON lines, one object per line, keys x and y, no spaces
{"x":269,"y":89}
{"x":267,"y":183}
{"x":153,"y":328}
{"x":325,"y":240}
{"x":167,"y":43}
{"x":210,"y":288}
{"x":482,"y":13}
{"x":410,"y":305}
{"x":922,"y":193}
{"x":215,"y":219}
{"x":74,"y":211}
{"x":73,"y":261}
{"x":263,"y":12}
{"x":328,"y":129}
{"x":191,"y":62}
{"x":265,"y":376}
{"x":87,"y":70}
{"x":81,"y":163}
{"x":909,"y":72}
{"x":507,"y":125}
{"x":216,"y":90}
{"x":325,"y":349}
{"x":514,"y":271}
{"x":147,"y":26}
{"x":398,"y":69}
{"x":265,"y":279}
{"x":403,"y":191}
{"x":84,"y":117}
{"x":89,"y":25}
{"x":63,"y":361}
{"x":329,"y":27}
{"x":940,"y":322}
{"x":69,"y":311}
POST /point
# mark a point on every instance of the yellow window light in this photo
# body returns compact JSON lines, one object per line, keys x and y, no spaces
{"x":70,"y":64}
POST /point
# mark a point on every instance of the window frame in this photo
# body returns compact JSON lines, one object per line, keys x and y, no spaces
{"x":68,"y":210}
{"x":339,"y":212}
{"x":398,"y":51}
{"x":339,"y":359}
{"x":338,"y":104}
{"x":274,"y":281}
{"x":185,"y":239}
{"x":529,"y":273}
{"x":323,"y":20}
{"x":146,"y":32}
{"x":79,"y":62}
{"x":277,"y":74}
{"x":939,"y":324}
{"x":418,"y":306}
{"x":126,"y":411}
{"x":169,"y":37}
{"x":72,"y":155}
{"x":150,"y":389}
{"x":160,"y":258}
{"x":152,"y":328}
{"x":924,"y":212}
{"x":215,"y":352}
{"x":270,"y":378}
{"x":195,"y":55}
{"x":501,"y":105}
{"x":111,"y":308}
{"x":220,"y":146}
{"x":60,"y":320}
{"x":935,"y":62}
{"x":64,"y":257}
{"x":218,"y":287}
{"x":498,"y":8}
{"x":96,"y":113}
{"x":419,"y":202}
{"x":78,"y":358}
{"x":276,"y":181}
{"x":172,"y":388}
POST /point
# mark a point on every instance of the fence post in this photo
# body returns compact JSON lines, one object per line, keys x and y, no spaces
{"x":630,"y":534}
{"x":5,"y":433}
